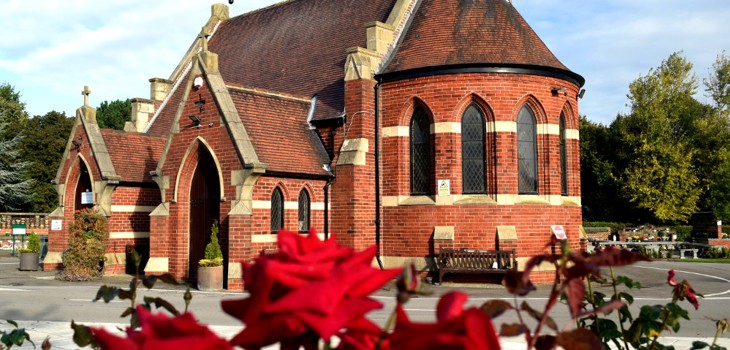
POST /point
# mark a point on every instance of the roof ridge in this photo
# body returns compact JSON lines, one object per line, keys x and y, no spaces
{"x":254,"y":11}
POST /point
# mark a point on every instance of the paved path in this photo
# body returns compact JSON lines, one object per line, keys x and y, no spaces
{"x":59,"y":333}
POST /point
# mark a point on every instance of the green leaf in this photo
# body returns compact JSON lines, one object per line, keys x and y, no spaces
{"x":626,"y":296}
{"x":696,"y":345}
{"x":628,"y":282}
{"x":161,"y":303}
{"x":13,"y":323}
{"x":108,"y":293}
{"x":82,"y":335}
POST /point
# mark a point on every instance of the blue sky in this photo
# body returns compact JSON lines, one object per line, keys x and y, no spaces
{"x":52,"y":48}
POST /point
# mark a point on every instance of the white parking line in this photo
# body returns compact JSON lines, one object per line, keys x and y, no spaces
{"x":693,"y":273}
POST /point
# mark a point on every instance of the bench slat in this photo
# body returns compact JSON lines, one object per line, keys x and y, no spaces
{"x":475,"y":261}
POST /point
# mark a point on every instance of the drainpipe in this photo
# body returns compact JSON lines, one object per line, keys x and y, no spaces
{"x":326,"y":207}
{"x":376,"y":154}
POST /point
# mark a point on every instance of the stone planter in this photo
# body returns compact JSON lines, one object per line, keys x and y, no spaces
{"x":210,"y":278}
{"x":29,"y":262}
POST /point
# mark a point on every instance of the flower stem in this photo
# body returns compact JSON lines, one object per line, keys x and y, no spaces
{"x":615,"y":297}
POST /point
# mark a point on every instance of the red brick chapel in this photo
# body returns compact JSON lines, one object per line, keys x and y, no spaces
{"x":413,"y":124}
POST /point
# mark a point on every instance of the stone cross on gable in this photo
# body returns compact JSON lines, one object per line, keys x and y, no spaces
{"x":86,"y":94}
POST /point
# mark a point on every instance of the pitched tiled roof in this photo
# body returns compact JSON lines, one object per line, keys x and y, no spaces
{"x":451,"y":32}
{"x":297,"y":47}
{"x":277,"y":127}
{"x":133,"y":155}
{"x":161,"y":125}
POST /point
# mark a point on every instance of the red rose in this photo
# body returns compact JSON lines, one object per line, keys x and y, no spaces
{"x":362,"y":334}
{"x":161,"y":332}
{"x":307,"y":286}
{"x":683,"y":290}
{"x":456,"y":328}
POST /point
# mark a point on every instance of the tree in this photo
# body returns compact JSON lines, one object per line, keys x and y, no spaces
{"x":598,"y":174}
{"x":14,"y":189}
{"x":657,"y":157}
{"x":44,"y":140}
{"x":14,"y":186}
{"x":114,"y":114}
{"x":717,"y":85}
{"x":12,"y":112}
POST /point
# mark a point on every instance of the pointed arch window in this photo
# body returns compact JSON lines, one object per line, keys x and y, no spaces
{"x":473,"y":151}
{"x":527,"y":151}
{"x":420,"y":144}
{"x":563,"y":158}
{"x":277,"y":210}
{"x":304,"y":206}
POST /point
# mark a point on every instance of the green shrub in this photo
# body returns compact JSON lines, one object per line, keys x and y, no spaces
{"x":718,"y":253}
{"x":84,"y":258}
{"x":213,"y":254}
{"x":615,"y":226}
{"x":683,"y":232}
{"x":34,"y":244}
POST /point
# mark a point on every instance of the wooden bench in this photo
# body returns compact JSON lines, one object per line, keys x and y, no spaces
{"x":475,"y":261}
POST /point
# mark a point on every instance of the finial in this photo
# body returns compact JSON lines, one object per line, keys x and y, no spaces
{"x":86,"y":93}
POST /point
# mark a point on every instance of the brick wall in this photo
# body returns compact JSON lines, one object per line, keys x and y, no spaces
{"x":408,"y":227}
{"x":170,"y":235}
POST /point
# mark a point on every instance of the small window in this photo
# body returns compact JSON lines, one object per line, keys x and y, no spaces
{"x":277,"y":211}
{"x":472,"y":151}
{"x":563,"y":158}
{"x":303,"y":211}
{"x":420,"y":139}
{"x":527,"y":151}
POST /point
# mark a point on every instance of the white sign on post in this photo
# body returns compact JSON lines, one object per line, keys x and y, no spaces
{"x":56,"y":225}
{"x":559,"y":232}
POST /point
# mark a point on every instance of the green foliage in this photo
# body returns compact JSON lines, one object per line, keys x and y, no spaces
{"x":598,"y":173}
{"x":683,"y":232}
{"x":17,"y":336}
{"x":114,"y":114}
{"x":718,"y":253}
{"x":83,"y":260}
{"x":657,"y":155}
{"x":213,"y":253}
{"x":34,"y":244}
{"x":614,"y":226}
{"x":82,"y":334}
{"x":14,"y":186}
{"x":718,"y":84}
{"x":44,"y":141}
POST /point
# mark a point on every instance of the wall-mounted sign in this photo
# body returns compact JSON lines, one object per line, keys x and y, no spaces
{"x":444,"y":187}
{"x":18,"y":229}
{"x":56,"y":225}
{"x":559,"y":232}
{"x":87,"y":197}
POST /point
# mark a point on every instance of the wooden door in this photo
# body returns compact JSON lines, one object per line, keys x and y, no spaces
{"x":204,"y":210}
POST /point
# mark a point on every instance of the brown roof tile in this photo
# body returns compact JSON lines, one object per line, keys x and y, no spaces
{"x":133,"y":155}
{"x":161,"y":125}
{"x":464,"y":32}
{"x":277,"y":126}
{"x":297,"y":47}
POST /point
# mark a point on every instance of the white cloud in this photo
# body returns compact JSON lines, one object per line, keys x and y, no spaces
{"x":611,"y":43}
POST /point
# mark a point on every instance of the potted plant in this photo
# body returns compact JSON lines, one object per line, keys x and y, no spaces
{"x":29,"y":255}
{"x":210,"y":269}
